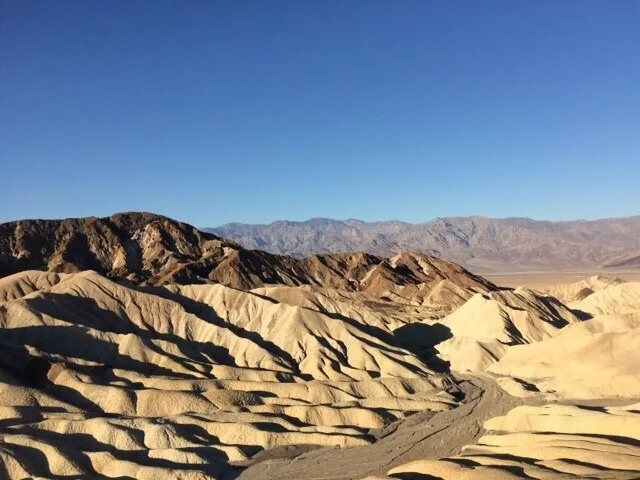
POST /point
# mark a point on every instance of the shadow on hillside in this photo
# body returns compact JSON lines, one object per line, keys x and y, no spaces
{"x":86,"y":312}
{"x":418,"y":339}
{"x":34,"y":372}
{"x":553,"y":304}
{"x":208,"y":314}
{"x":415,"y":476}
{"x":77,"y":342}
{"x":421,"y":340}
{"x":584,"y":316}
{"x":75,"y":446}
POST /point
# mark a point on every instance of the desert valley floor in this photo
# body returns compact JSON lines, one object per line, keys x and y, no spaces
{"x":137,"y":347}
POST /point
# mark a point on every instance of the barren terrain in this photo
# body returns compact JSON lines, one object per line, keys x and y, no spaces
{"x":139,"y":347}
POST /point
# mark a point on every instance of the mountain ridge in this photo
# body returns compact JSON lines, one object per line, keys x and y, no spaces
{"x":148,"y":249}
{"x":489,"y":244}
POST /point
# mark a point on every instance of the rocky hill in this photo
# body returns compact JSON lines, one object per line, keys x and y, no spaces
{"x":154,"y":250}
{"x":477,"y":242}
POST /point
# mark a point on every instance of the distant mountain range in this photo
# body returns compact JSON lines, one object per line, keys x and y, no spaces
{"x":484,"y":244}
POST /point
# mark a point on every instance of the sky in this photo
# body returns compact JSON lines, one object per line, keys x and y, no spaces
{"x":254,"y":111}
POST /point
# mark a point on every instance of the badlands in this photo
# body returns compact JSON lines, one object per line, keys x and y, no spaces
{"x":138,"y":347}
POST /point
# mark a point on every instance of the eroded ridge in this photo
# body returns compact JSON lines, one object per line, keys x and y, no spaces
{"x":103,"y":379}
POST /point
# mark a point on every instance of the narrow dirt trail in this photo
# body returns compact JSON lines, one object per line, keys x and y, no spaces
{"x":424,"y":435}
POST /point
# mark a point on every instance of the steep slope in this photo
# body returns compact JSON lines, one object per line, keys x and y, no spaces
{"x":488,"y":243}
{"x":18,"y":286}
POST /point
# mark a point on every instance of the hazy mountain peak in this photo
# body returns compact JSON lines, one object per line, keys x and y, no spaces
{"x":514,"y":243}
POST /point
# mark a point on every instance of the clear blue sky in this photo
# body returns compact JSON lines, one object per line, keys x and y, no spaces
{"x":252,"y":111}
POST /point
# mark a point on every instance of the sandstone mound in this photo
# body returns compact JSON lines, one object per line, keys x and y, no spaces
{"x":577,"y":291}
{"x":592,"y":360}
{"x":110,"y":380}
{"x":488,"y":324}
{"x":617,"y":299}
{"x":549,"y":442}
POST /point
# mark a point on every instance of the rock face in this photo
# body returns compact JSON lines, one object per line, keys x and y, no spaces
{"x":155,"y":250}
{"x":621,"y":298}
{"x":136,"y":246}
{"x":479,"y":242}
